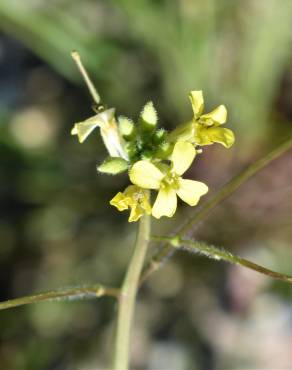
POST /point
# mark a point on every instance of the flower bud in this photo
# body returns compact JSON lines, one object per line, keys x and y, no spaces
{"x":164,"y":150}
{"x":113,"y":166}
{"x":126,"y":128}
{"x":149,"y":117}
{"x":159,"y":136}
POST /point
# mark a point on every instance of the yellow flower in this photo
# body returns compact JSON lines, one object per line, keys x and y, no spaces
{"x":135,"y":198}
{"x":207,"y":128}
{"x":168,"y":181}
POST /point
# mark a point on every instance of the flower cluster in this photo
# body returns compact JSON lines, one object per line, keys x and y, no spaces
{"x":154,"y":158}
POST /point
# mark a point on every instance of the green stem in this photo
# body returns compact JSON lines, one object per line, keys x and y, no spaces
{"x":92,"y":291}
{"x":219,"y":254}
{"x":234,"y":184}
{"x":128,"y":296}
{"x":166,"y":250}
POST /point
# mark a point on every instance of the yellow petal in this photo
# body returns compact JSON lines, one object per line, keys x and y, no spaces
{"x":217,"y":116}
{"x":121,"y":201}
{"x":197,"y":101}
{"x":136,"y":212}
{"x":223,"y":136}
{"x":182,"y":156}
{"x":131,"y":190}
{"x":190,"y":191}
{"x":145,"y":175}
{"x":210,"y":135}
{"x":165,"y":203}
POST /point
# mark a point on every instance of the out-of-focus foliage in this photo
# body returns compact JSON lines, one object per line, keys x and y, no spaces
{"x":236,"y":50}
{"x":56,"y":227}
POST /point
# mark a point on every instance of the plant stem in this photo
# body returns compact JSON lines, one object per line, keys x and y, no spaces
{"x":128,"y":294}
{"x":91,"y":291}
{"x":219,"y":254}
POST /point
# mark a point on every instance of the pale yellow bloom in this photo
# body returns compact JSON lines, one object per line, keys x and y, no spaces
{"x":168,"y":181}
{"x":207,"y":128}
{"x":136,"y":199}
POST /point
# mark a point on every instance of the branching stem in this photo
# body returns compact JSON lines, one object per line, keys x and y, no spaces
{"x":91,"y":291}
{"x":220,"y":254}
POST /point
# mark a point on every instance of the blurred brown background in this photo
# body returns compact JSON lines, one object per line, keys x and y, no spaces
{"x":56,"y":226}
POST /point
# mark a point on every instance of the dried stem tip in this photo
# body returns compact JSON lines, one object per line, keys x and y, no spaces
{"x":76,"y":57}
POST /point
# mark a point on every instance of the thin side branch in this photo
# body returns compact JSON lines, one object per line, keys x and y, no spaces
{"x":234,"y":184}
{"x":165,"y":251}
{"x":91,"y":291}
{"x":221,"y":254}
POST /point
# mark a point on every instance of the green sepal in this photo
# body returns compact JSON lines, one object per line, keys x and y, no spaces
{"x":159,"y":136}
{"x":113,"y":166}
{"x":148,"y":119}
{"x":164,"y":150}
{"x":183,"y":132}
{"x":147,"y":155}
{"x":126,"y":128}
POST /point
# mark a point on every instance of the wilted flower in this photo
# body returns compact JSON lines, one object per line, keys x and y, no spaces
{"x":136,"y":199}
{"x":105,"y":120}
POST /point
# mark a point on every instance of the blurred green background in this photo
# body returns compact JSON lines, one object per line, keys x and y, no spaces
{"x":56,"y":226}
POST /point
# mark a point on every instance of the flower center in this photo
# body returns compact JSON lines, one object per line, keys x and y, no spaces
{"x":171,"y":180}
{"x":206,"y":122}
{"x":139,"y":197}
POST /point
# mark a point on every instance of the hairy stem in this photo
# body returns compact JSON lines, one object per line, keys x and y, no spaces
{"x":166,"y":250}
{"x":219,"y":254}
{"x":91,"y":291}
{"x":128,"y":296}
